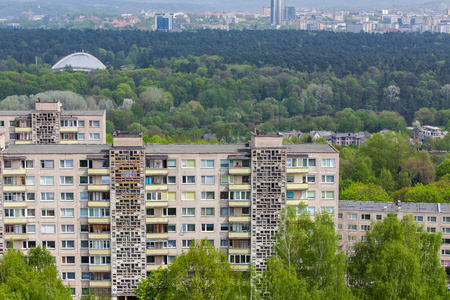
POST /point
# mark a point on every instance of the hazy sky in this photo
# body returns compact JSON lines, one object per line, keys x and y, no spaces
{"x":134,"y":6}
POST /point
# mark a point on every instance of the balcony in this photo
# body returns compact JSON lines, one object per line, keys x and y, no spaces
{"x":99,"y":283}
{"x":23,"y":129}
{"x":296,"y":202}
{"x":14,"y":171}
{"x":239,"y":171}
{"x":99,"y":252}
{"x":156,"y":187}
{"x":156,"y":172}
{"x":23,"y":142}
{"x":157,"y":251}
{"x":20,"y":236}
{"x":14,"y":204}
{"x":106,"y":220}
{"x":14,"y":188}
{"x":98,"y":172}
{"x":157,"y":220}
{"x":238,"y":219}
{"x":69,"y":142}
{"x":235,"y":203}
{"x":155,"y":267}
{"x":157,"y":236}
{"x":99,"y":204}
{"x":240,"y":235}
{"x":14,"y":220}
{"x":156,"y":204}
{"x":100,"y":268}
{"x":99,"y":236}
{"x":239,"y":251}
{"x":68,"y":129}
{"x":240,"y":267}
{"x":296,"y":186}
{"x":245,"y":187}
{"x":296,"y":170}
{"x":98,"y":187}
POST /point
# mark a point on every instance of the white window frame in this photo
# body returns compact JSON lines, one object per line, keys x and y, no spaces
{"x":65,"y":212}
{"x":66,"y":180}
{"x":207,"y":164}
{"x":208,"y":179}
{"x":47,"y":180}
{"x":188,"y":212}
{"x":328,"y":163}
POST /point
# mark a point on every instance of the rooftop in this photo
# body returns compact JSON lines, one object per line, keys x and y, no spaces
{"x":408,"y":207}
{"x":84,"y":112}
{"x":79,"y":61}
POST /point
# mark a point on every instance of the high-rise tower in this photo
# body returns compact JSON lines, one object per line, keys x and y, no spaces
{"x":276,"y":12}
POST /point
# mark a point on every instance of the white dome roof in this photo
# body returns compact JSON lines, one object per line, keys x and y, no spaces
{"x":79,"y":61}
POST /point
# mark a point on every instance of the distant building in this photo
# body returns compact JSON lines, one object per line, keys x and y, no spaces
{"x":13,"y":26}
{"x":164,"y":22}
{"x":427,"y":132}
{"x":79,"y":61}
{"x":345,"y":139}
{"x":289,"y":13}
{"x":276,"y":12}
{"x":355,"y":27}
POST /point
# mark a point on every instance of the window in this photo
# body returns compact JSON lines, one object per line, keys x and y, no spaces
{"x":352,"y":238}
{"x":431,"y":229}
{"x":188,"y":228}
{"x":431,"y":219}
{"x":309,"y":195}
{"x":12,"y":124}
{"x":207,"y":227}
{"x":48,"y":212}
{"x":418,"y":218}
{"x":7,"y":164}
{"x":446,"y":219}
{"x":105,"y":180}
{"x":226,"y":179}
{"x":28,"y":244}
{"x":340,"y":215}
{"x":186,"y":243}
{"x":309,"y":162}
{"x":68,"y":244}
{"x":67,"y":197}
{"x":188,"y":212}
{"x":154,"y":196}
{"x":171,"y":179}
{"x":208,"y":179}
{"x":365,"y":217}
{"x":84,"y":196}
{"x":188,"y":179}
{"x":2,"y":123}
{"x":226,"y":211}
{"x":223,"y":243}
{"x":68,"y":123}
{"x":352,"y":227}
{"x":67,"y":212}
{"x":46,"y":228}
{"x":352,"y":216}
{"x":207,"y":163}
{"x":445,"y":230}
{"x":171,"y":163}
{"x":290,"y":194}
{"x":240,"y":259}
{"x":188,"y":196}
{"x":94,"y":123}
{"x":68,"y":260}
{"x":151,"y":260}
{"x":14,"y":197}
{"x":290,"y":178}
{"x":19,"y":212}
{"x":188,"y":163}
{"x":379,"y":217}
{"x":446,"y":241}
{"x":47,"y":180}
{"x":86,"y":180}
{"x":80,"y":123}
{"x":47,"y":164}
{"x":311,"y":179}
{"x":31,"y":228}
{"x":84,"y":228}
{"x":29,"y":180}
{"x":328,"y":210}
{"x":66,"y":164}
{"x":327,"y":195}
{"x":328,"y":163}
{"x":207,"y":195}
{"x":49,"y":244}
{"x":150,"y":212}
{"x":169,"y":212}
{"x":27,"y":164}
{"x":68,"y":276}
{"x":245,"y":211}
{"x":99,"y":260}
{"x":224,"y":163}
{"x":81,"y":136}
{"x":445,"y":251}
{"x":365,"y":227}
{"x":66,"y":180}
{"x":85,"y":164}
{"x":224,"y":227}
{"x":98,"y":212}
{"x":47,"y":196}
{"x":207,"y":211}
{"x":339,"y":226}
{"x":172,"y":228}
{"x":100,"y":244}
{"x":327,"y":178}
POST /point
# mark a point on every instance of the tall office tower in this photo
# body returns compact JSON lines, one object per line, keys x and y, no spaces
{"x":277,"y":12}
{"x":164,"y":22}
{"x":289,"y":12}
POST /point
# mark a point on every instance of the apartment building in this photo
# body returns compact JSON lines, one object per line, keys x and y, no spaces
{"x":48,"y":123}
{"x":355,"y":217}
{"x":111,"y":214}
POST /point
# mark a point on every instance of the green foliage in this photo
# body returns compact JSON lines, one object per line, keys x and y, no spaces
{"x":364,"y":192}
{"x":201,"y":273}
{"x":443,"y":168}
{"x":37,"y":279}
{"x":398,"y":260}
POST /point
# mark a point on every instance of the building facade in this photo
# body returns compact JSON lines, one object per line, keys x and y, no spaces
{"x":164,"y":22}
{"x":111,"y":214}
{"x":276,"y":12}
{"x":48,"y":123}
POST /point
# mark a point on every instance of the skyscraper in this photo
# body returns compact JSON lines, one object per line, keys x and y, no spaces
{"x":276,"y":12}
{"x":164,"y":22}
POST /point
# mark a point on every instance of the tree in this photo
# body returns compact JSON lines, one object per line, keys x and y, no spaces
{"x":36,"y":279}
{"x":443,"y":168}
{"x":398,"y":260}
{"x":309,"y":248}
{"x":201,"y":273}
{"x":391,"y":94}
{"x":364,"y":192}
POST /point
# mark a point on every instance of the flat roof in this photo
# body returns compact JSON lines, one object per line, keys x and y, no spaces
{"x":407,"y":207}
{"x":81,"y":112}
{"x":163,"y":148}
